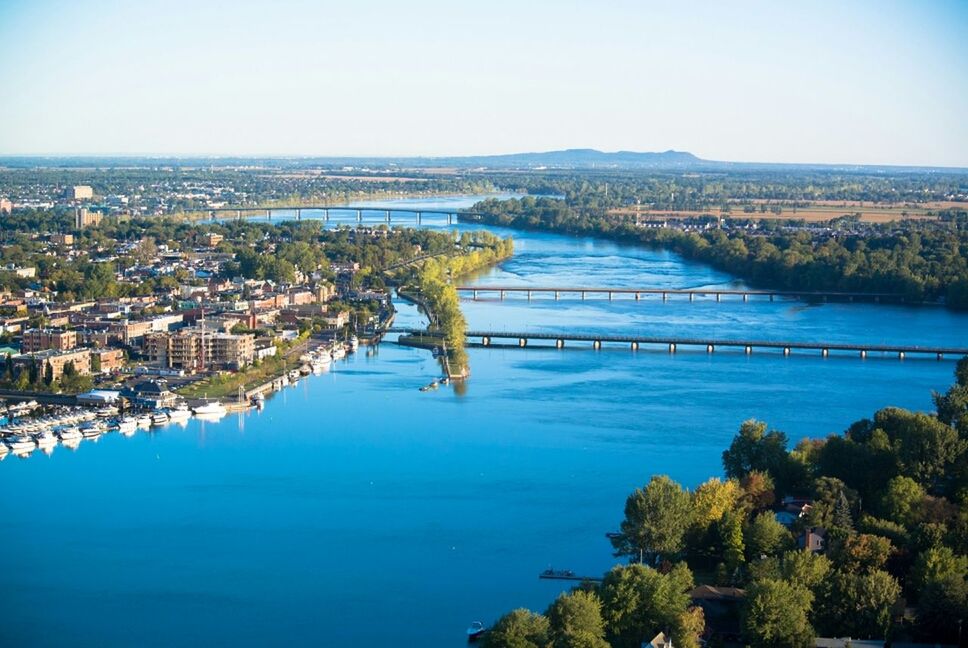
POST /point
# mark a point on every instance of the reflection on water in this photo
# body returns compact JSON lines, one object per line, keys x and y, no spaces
{"x":354,"y":496}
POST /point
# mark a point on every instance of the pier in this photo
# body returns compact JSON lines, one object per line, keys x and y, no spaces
{"x":522,"y":339}
{"x":610,"y":293}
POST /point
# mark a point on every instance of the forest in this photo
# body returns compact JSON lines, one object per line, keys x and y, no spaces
{"x":887,"y":497}
{"x":922,"y":261}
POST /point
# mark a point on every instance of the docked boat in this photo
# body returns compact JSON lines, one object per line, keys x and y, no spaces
{"x":305,"y":370}
{"x":179,"y":414}
{"x":21,"y":443}
{"x":339,"y":351}
{"x":128,"y":425}
{"x":93,"y":429}
{"x":45,"y":439}
{"x":107,"y":412}
{"x":475,"y":631}
{"x":3,"y":451}
{"x":159,"y":417}
{"x":212,"y":408}
{"x":144,"y":421}
{"x":70,"y":433}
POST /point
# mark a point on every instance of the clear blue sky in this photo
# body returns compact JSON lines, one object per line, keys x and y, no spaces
{"x":846,"y":82}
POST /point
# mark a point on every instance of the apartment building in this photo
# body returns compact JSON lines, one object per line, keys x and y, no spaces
{"x":42,"y":339}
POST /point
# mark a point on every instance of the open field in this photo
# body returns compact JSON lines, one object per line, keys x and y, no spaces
{"x":869,"y":213}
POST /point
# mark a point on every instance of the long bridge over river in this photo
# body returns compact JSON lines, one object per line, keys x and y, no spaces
{"x":522,"y":339}
{"x":599,"y":292}
{"x":339,"y":212}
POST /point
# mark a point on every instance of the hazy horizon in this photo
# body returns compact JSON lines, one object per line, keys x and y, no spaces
{"x":862,"y":84}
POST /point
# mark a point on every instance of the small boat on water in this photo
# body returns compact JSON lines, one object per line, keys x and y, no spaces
{"x":19,"y":444}
{"x":475,"y":631}
{"x":305,"y":370}
{"x":160,"y":417}
{"x":45,"y":439}
{"x":143,"y":421}
{"x":212,"y":408}
{"x":339,"y":351}
{"x":70,"y":433}
{"x":354,"y":344}
{"x":107,"y":412}
{"x":179,"y":414}
{"x":93,"y":429}
{"x":128,"y":425}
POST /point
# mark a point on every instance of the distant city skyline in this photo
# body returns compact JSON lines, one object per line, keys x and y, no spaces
{"x":840,"y":83}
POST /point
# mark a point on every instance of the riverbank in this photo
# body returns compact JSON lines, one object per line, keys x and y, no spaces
{"x":435,"y":293}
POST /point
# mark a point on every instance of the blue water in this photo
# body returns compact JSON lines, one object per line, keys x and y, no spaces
{"x":355,"y":510}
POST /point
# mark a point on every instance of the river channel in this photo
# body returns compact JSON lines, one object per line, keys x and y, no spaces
{"x":355,"y":510}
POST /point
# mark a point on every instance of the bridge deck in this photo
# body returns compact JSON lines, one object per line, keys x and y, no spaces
{"x":703,"y":342}
{"x":674,"y":291}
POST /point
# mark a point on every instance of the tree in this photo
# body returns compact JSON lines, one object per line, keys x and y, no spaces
{"x":519,"y":628}
{"x":758,"y":490}
{"x":859,"y":605}
{"x":862,"y":553}
{"x":940,"y":578}
{"x":775,"y":615}
{"x":48,"y":374}
{"x":764,"y":536}
{"x":656,"y":519}
{"x":638,"y":601}
{"x":753,"y":448}
{"x":924,"y":446}
{"x":805,"y":568}
{"x":902,"y":500}
{"x":731,"y":532}
{"x":713,"y":499}
{"x":575,"y":621}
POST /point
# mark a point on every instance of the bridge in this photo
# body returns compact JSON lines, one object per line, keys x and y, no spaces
{"x":348,"y":212}
{"x":672,"y":344}
{"x":585,"y":292}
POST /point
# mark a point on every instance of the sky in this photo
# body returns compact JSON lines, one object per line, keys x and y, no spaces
{"x":861,"y":82}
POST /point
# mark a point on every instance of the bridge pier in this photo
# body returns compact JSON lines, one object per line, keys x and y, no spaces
{"x":557,"y":295}
{"x":298,"y":214}
{"x":940,"y":356}
{"x":388,"y":215}
{"x":900,"y":355}
{"x":529,"y":295}
{"x":771,"y":296}
{"x":719,"y":297}
{"x":559,"y":344}
{"x":786,"y":351}
{"x":522,"y":342}
{"x":665,"y":296}
{"x":583,"y":295}
{"x":609,"y":295}
{"x":824,"y":352}
{"x":710,"y":348}
{"x":748,"y":350}
{"x":502,"y":295}
{"x":597,"y":345}
{"x":746,"y":297}
{"x":637,"y":296}
{"x":475,"y":295}
{"x":359,"y":215}
{"x":692,"y":296}
{"x":634,"y":346}
{"x":485,"y":341}
{"x":863,"y":354}
{"x":238,"y":214}
{"x":268,"y":214}
{"x":326,"y":215}
{"x":672,"y":347}
{"x":450,"y":218}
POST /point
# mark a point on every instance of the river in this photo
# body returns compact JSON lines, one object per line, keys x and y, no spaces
{"x":355,"y":510}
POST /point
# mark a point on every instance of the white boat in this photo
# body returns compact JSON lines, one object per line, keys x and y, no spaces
{"x":3,"y":450}
{"x":107,"y":412}
{"x":320,"y":362}
{"x":159,"y":417}
{"x":45,"y":439}
{"x":69,"y":433}
{"x":20,"y":444}
{"x":128,"y":425}
{"x":144,"y":421}
{"x":93,"y":429}
{"x":338,"y":352}
{"x":179,"y":414}
{"x":354,"y":344}
{"x":212,"y":408}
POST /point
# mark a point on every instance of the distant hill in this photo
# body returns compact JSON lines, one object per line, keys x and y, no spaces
{"x":584,"y":158}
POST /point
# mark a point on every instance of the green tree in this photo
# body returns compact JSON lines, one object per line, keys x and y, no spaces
{"x":755,"y":449}
{"x":859,"y":605}
{"x":519,"y":628}
{"x":775,"y":615}
{"x":940,"y":578}
{"x":656,"y":519}
{"x":575,"y":621}
{"x":638,"y":601}
{"x":902,"y":500}
{"x":764,"y":536}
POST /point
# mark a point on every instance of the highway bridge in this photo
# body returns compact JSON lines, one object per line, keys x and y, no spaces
{"x":599,"y":292}
{"x":345,"y":212}
{"x":519,"y":339}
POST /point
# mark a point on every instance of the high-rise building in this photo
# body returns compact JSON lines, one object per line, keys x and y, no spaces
{"x":85,"y":218}
{"x":81,"y":192}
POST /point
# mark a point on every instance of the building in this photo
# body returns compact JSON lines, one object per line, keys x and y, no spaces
{"x":62,"y":239}
{"x":107,"y":361}
{"x":57,"y":361}
{"x":150,"y":394}
{"x":81,"y":192}
{"x":212,"y":239}
{"x":265,"y":348}
{"x":86,"y":218}
{"x":41,"y":339}
{"x":813,"y":539}
{"x":6,"y":206}
{"x":192,"y":350}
